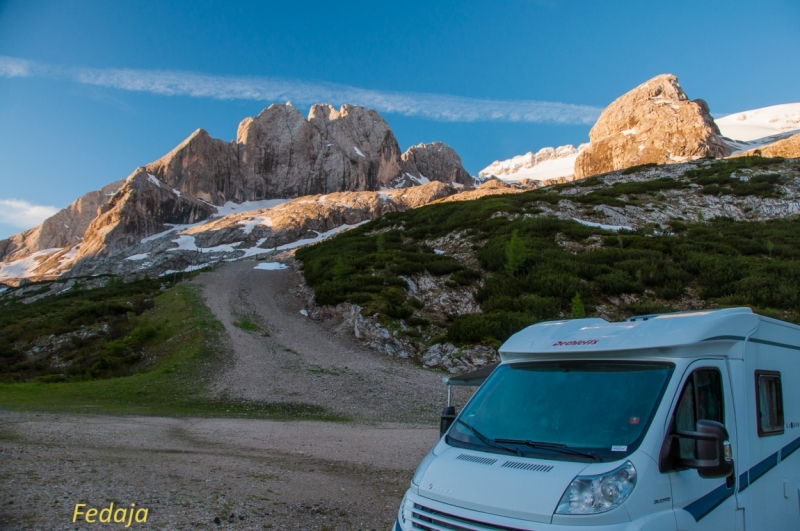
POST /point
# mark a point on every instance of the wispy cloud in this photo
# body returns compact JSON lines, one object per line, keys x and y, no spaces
{"x":22,"y":214}
{"x":12,"y":67}
{"x":431,"y":106}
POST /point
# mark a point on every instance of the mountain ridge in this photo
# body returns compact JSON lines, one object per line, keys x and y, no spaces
{"x":278,"y":154}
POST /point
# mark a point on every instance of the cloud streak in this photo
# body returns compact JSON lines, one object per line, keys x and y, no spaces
{"x":22,"y":214}
{"x":440,"y":107}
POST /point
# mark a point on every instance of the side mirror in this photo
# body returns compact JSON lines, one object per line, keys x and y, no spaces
{"x":714,"y":456}
{"x":448,"y":417}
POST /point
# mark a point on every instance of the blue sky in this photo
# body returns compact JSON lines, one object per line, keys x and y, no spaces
{"x":91,"y":90}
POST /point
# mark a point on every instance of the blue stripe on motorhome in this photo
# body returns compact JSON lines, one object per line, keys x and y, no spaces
{"x":744,"y":480}
{"x":702,"y":506}
{"x":752,"y":340}
{"x":787,"y":450}
{"x":773,"y":343}
{"x":756,"y":471}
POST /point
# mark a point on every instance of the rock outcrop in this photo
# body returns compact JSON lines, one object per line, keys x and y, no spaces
{"x":140,"y":208}
{"x":655,"y":122}
{"x":434,"y":162}
{"x":63,"y":229}
{"x":788,"y":148}
{"x":111,"y":249}
{"x":203,"y":167}
{"x":281,"y":154}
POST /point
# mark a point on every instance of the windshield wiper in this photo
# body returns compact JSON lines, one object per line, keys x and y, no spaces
{"x":486,"y":440}
{"x":558,"y":447}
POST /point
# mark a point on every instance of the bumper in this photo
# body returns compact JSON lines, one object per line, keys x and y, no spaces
{"x":417,"y":510}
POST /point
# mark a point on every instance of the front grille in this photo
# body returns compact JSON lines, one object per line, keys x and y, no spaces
{"x":429,"y":519}
{"x":527,"y":466}
{"x":476,"y":459}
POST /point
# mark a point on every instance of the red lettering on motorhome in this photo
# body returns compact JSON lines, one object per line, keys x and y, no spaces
{"x":575,"y":343}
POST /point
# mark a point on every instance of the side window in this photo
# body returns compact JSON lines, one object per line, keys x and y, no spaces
{"x":701,"y":399}
{"x":769,"y":403}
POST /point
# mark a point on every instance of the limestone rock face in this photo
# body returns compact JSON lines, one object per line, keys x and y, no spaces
{"x":203,"y":167}
{"x":655,"y":122}
{"x":435,"y":162}
{"x":788,"y":148}
{"x":140,"y":208}
{"x":65,"y":228}
{"x":279,"y":154}
{"x":282,"y":154}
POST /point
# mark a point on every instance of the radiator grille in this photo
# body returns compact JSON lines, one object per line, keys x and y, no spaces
{"x":428,"y":519}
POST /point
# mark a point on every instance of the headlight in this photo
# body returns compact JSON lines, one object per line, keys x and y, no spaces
{"x":423,"y":466}
{"x":598,"y":494}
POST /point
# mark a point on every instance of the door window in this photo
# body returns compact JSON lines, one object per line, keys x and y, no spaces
{"x":701,"y":399}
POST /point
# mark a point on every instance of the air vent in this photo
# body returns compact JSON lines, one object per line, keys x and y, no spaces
{"x":476,"y":459}
{"x":532,"y":467}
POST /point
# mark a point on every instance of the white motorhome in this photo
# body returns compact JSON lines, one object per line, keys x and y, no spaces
{"x":682,"y":421}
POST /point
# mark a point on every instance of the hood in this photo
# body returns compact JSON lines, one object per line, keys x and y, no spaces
{"x":516,"y":487}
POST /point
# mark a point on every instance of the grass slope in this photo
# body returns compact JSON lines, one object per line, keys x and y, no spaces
{"x":535,"y":267}
{"x":184,"y":350}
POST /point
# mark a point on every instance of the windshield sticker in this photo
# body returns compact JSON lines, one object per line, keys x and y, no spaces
{"x":619,"y":448}
{"x":575,"y":343}
{"x":634,"y":420}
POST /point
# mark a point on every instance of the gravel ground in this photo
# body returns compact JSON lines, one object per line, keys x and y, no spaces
{"x":187,"y":472}
{"x":248,"y":474}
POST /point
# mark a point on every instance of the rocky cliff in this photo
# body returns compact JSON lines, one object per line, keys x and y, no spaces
{"x":64,"y":229}
{"x":277,"y":154}
{"x":433,"y":162}
{"x":653,"y":123}
{"x":140,"y":208}
{"x":281,"y":154}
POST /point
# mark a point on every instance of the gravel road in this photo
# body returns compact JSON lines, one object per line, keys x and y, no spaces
{"x":302,"y":360}
{"x":247,"y":474}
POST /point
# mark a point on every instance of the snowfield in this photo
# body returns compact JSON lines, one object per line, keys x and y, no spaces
{"x":759,"y":123}
{"x":547,"y":163}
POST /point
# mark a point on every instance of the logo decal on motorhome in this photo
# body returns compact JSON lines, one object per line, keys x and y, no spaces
{"x":575,"y":343}
{"x":437,"y":488}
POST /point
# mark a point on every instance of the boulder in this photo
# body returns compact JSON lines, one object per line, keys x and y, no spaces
{"x":655,"y":122}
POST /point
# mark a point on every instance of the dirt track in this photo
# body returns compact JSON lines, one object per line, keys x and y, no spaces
{"x":306,"y":361}
{"x":267,"y":474}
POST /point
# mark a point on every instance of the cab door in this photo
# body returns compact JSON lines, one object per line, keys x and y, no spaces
{"x":700,"y":503}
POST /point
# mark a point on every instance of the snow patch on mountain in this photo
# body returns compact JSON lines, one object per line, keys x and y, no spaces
{"x":25,"y":267}
{"x":759,"y":123}
{"x":547,"y":163}
{"x":247,"y":206}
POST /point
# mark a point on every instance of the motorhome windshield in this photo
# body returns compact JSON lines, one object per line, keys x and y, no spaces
{"x":562,"y":409}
